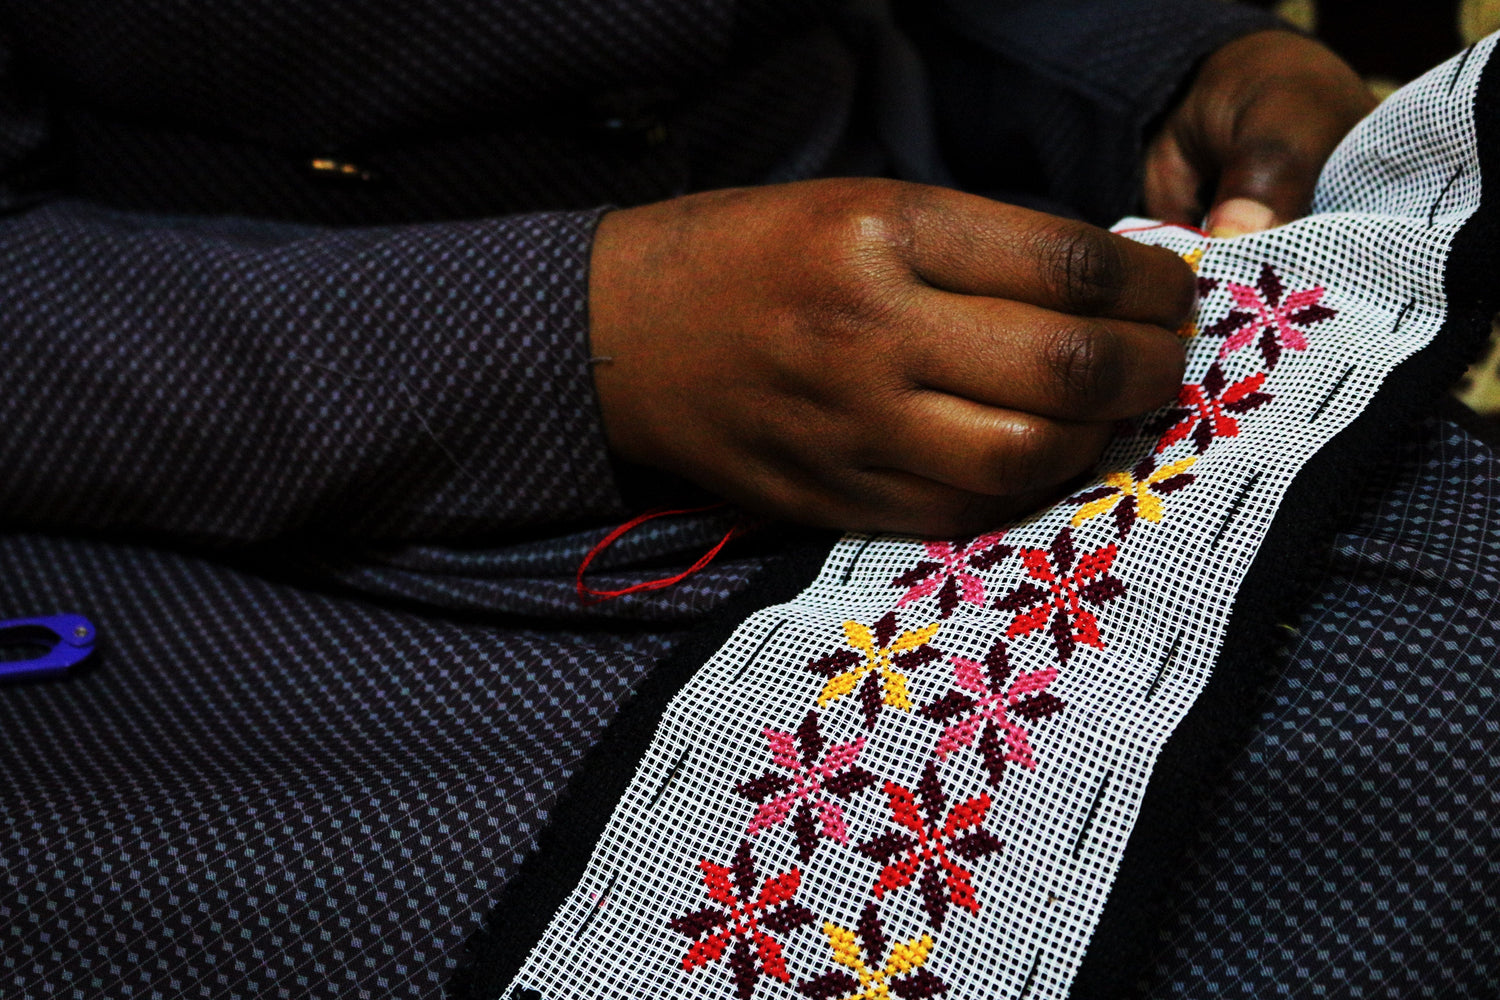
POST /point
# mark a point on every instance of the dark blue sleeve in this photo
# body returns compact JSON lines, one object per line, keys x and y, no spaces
{"x":1056,"y":98}
{"x":231,"y":381}
{"x":235,"y":381}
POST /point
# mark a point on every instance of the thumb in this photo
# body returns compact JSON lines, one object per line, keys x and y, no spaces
{"x":1238,"y":216}
{"x":1263,"y":184}
{"x":1268,"y":173}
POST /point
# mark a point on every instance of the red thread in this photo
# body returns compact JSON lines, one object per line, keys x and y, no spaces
{"x":588,"y":595}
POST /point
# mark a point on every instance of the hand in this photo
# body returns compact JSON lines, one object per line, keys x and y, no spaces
{"x":1262,"y":116}
{"x":875,"y":355}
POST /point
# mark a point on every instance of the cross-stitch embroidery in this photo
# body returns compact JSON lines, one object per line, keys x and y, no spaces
{"x":1263,"y":311}
{"x":874,"y":977}
{"x":811,"y":777}
{"x":984,"y":705}
{"x":1200,"y":409}
{"x":1194,"y":259}
{"x":744,"y":921}
{"x":950,"y":572}
{"x":1059,"y":608}
{"x":872,"y":665}
{"x":1133,"y":494}
{"x":926,"y":849}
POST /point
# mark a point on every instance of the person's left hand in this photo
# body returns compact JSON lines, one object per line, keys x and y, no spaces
{"x":1260,"y":119}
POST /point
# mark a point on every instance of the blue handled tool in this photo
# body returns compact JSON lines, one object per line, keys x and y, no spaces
{"x":71,"y":638}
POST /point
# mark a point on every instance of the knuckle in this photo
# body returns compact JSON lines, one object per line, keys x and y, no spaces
{"x":858,"y":257}
{"x":876,"y":216}
{"x":1021,"y":458}
{"x":1085,"y":269}
{"x":1084,"y":363}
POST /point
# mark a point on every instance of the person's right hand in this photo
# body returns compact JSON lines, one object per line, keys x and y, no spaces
{"x":874,"y":355}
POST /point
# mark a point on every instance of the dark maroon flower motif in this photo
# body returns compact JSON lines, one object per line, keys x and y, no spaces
{"x":1268,"y":311}
{"x":1070,"y":583}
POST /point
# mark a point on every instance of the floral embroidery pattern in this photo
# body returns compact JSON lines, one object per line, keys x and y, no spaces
{"x":1200,"y":409}
{"x":744,"y":921}
{"x":811,"y":777}
{"x":1133,"y":494}
{"x":1268,"y":311}
{"x":929,"y":842}
{"x":983,"y":705}
{"x":925,"y":850}
{"x":1194,"y":259}
{"x":874,"y":977}
{"x":874,"y":665}
{"x":1070,"y":583}
{"x":950,"y":572}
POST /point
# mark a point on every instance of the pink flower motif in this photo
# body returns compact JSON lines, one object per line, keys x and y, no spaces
{"x":983,"y":706}
{"x":950,"y":572}
{"x":1269,"y":312}
{"x":811,"y":776}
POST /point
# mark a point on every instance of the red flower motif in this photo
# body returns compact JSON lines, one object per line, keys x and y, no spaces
{"x":1068,"y":588}
{"x":1201,"y":409}
{"x":927,"y":848}
{"x":807,"y":785}
{"x":984,"y":705}
{"x":1263,"y":311}
{"x":949,"y":572}
{"x":744,"y":921}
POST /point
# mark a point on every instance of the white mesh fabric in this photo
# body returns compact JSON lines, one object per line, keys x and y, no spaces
{"x":641,"y":921}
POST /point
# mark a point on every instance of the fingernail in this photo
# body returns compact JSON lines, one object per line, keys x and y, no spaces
{"x":1239,"y":216}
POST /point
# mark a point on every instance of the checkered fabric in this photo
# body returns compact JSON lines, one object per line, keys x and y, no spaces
{"x":1352,"y":850}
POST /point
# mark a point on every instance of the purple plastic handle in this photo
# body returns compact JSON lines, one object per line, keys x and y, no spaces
{"x":75,"y":641}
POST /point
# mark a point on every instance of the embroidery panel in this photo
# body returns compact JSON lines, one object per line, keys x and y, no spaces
{"x":918,"y":778}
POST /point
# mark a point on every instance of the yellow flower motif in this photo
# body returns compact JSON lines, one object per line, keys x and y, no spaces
{"x":868,"y":983}
{"x":871,"y":665}
{"x":1194,"y":257}
{"x":1134,"y":494}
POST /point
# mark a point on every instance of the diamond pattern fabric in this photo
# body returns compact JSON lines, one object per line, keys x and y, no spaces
{"x":1352,"y":850}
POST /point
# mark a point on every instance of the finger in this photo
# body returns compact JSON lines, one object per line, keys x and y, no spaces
{"x":879,"y":500}
{"x":974,"y":246}
{"x":1171,"y":184}
{"x":985,"y":450}
{"x":1021,"y":357}
{"x":892,"y":500}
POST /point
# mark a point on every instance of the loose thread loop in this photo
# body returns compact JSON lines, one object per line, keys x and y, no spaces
{"x":589,"y":596}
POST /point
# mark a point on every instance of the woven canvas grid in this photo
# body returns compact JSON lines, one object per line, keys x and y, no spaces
{"x":1331,"y":305}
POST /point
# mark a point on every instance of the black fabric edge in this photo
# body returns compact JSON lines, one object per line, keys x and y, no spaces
{"x":494,"y":953}
{"x":1217,"y":726}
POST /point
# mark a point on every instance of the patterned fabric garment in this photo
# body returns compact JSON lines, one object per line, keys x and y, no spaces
{"x":323,"y":809}
{"x":264,"y":791}
{"x":1352,"y":847}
